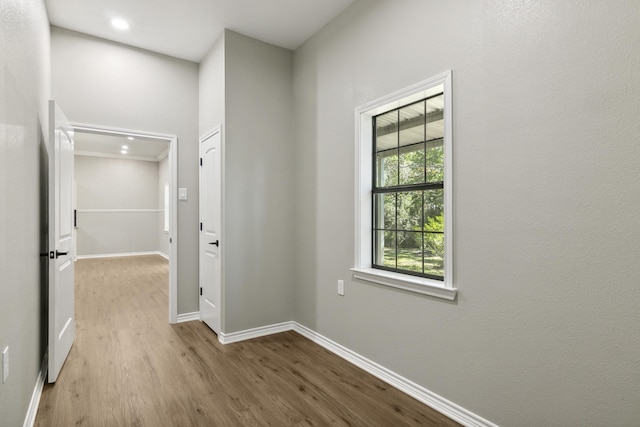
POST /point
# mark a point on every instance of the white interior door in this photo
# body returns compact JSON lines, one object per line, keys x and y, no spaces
{"x":61,"y":253}
{"x":210,"y":226}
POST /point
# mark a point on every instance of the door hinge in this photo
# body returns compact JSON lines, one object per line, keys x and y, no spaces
{"x":200,"y":226}
{"x":201,"y":291}
{"x":170,"y":240}
{"x":200,"y":161}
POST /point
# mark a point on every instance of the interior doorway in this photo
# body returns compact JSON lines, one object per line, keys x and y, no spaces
{"x":117,"y":218}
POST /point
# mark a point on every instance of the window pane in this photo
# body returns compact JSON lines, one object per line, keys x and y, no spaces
{"x":410,"y":251}
{"x":434,"y":254}
{"x":435,"y":161}
{"x":385,"y":248}
{"x":434,"y":136}
{"x":435,"y":118}
{"x":434,"y":232}
{"x":412,"y":124}
{"x":434,"y":210}
{"x":412,"y":164}
{"x":385,"y":211}
{"x":387,"y":169}
{"x":386,"y":131}
{"x":410,"y":207}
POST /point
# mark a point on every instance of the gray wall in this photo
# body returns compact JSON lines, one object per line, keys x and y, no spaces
{"x":545,"y":329}
{"x":212,"y":88}
{"x":104,"y":184}
{"x":253,"y":79}
{"x":24,"y":91}
{"x":108,"y":84}
{"x":258,"y":183}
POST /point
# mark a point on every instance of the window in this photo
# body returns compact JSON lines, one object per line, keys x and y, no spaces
{"x":404,"y":190}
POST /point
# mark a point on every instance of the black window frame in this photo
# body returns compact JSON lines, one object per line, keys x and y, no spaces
{"x":402,"y":188}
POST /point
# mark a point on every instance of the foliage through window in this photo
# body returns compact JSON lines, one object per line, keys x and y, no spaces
{"x":408,"y":189}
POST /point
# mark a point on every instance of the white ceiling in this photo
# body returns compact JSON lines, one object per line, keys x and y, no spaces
{"x":107,"y":145}
{"x":188,"y":28}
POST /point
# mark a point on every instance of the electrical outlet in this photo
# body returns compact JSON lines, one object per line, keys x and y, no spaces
{"x":5,"y":365}
{"x":341,"y":287}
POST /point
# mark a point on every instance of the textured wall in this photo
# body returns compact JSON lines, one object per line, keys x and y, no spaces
{"x":24,"y":91}
{"x":546,"y":329}
{"x":258,"y":184}
{"x":108,"y":84}
{"x":211,"y":88}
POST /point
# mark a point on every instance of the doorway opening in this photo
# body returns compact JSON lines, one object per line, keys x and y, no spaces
{"x":128,"y":196}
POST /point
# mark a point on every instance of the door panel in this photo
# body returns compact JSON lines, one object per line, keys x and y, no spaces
{"x":210,"y":234}
{"x":61,"y":265}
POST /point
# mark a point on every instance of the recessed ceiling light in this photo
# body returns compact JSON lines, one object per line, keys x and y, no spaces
{"x":123,"y":151}
{"x":130,"y":138}
{"x":125,"y":147}
{"x":120,"y":24}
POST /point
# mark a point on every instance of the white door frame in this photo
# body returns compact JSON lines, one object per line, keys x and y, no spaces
{"x":173,"y":199}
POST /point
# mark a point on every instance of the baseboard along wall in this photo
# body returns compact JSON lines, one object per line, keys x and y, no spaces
{"x":92,"y":256}
{"x":429,"y":398}
{"x":32,"y":411}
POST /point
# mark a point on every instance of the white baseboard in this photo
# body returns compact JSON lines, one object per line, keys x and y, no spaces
{"x":122,"y":254}
{"x":254,"y":333}
{"x":188,"y":317}
{"x":429,"y":398}
{"x":32,"y":411}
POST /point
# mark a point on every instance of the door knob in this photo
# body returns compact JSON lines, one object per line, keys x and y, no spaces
{"x":59,"y":254}
{"x":217,"y":243}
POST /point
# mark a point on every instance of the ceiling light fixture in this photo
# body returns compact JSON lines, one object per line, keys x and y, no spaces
{"x":120,"y":24}
{"x":123,"y":151}
{"x":125,"y":147}
{"x":130,"y":138}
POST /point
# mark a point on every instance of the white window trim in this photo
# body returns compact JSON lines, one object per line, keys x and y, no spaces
{"x":364,"y":114}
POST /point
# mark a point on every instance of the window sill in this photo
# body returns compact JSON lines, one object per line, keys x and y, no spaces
{"x":417,"y":285}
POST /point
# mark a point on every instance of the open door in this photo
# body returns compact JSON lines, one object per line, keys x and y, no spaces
{"x":62,"y":325}
{"x":210,"y":227}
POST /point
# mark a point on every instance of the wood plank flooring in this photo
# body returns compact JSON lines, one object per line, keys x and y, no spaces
{"x":130,"y":367}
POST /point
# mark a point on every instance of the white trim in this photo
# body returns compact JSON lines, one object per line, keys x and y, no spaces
{"x":121,"y":254}
{"x":120,"y":210}
{"x":422,"y":394}
{"x":429,"y":398}
{"x":163,"y":255}
{"x":115,"y":156}
{"x":254,"y":332}
{"x":173,"y":189}
{"x":173,"y":230}
{"x":188,"y":317}
{"x":34,"y":403}
{"x":418,"y":285}
{"x":363,"y":164}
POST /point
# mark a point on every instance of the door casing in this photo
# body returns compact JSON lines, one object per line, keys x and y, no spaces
{"x":173,"y":199}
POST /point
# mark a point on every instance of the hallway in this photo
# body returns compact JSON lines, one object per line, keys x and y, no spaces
{"x":130,"y":367}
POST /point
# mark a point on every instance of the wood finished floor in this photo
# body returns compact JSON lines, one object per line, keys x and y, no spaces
{"x":130,"y":367}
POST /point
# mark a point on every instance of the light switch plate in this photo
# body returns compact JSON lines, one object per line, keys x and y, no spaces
{"x":182,"y":194}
